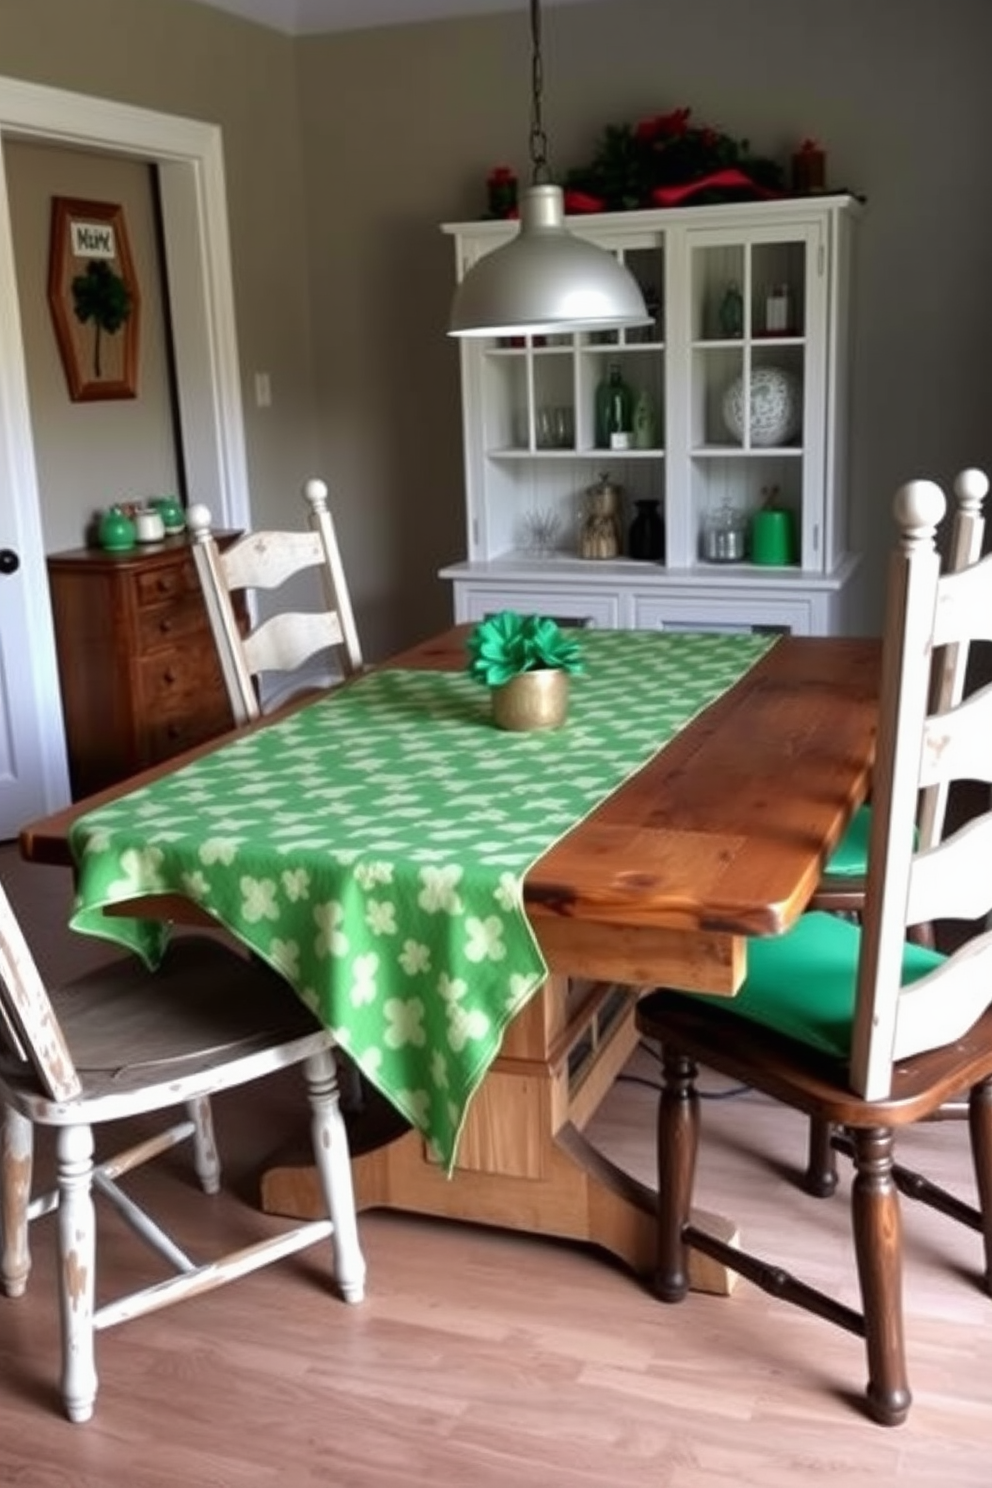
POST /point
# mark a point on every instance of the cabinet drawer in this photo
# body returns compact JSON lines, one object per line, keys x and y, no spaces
{"x":181,"y":623}
{"x":166,"y":581}
{"x":170,"y":734}
{"x":180,"y":681}
{"x":568,"y":605}
{"x":710,"y":612}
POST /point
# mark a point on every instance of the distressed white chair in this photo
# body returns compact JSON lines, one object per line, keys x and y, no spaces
{"x":121,"y":1041}
{"x":261,"y":563}
{"x":856,"y":1025}
{"x":842,"y":888}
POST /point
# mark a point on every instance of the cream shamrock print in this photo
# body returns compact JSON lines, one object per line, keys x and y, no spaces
{"x":285,"y":957}
{"x":363,"y":988}
{"x":439,"y":892}
{"x":380,"y":916}
{"x":372,"y":847}
{"x":259,"y":899}
{"x":404,"y":1023}
{"x":485,"y":938}
{"x":463,"y":1023}
{"x":330,"y":939}
{"x":296,"y":883}
{"x":415,"y":957}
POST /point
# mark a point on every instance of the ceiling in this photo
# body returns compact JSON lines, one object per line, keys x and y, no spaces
{"x":308,"y":17}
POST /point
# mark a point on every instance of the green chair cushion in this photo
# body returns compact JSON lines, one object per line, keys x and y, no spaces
{"x":849,"y":858}
{"x":803,"y":983}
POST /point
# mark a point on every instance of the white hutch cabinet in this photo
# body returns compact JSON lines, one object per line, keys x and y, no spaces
{"x":530,"y":434}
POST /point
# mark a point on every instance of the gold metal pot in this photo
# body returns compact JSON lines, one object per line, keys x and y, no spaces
{"x":534,"y":700}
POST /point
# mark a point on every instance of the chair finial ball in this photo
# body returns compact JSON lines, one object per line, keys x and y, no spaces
{"x":919,"y":504}
{"x":971,"y":487}
{"x":315,"y":490}
{"x":198,"y":518}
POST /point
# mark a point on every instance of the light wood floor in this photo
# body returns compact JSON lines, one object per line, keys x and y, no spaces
{"x":487,"y":1358}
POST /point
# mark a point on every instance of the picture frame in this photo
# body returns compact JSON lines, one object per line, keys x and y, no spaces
{"x":94,"y":299}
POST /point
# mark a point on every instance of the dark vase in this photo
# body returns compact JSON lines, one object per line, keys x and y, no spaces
{"x":647,"y":532}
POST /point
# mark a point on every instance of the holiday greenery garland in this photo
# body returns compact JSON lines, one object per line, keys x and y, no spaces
{"x":647,"y":164}
{"x":659,"y":161}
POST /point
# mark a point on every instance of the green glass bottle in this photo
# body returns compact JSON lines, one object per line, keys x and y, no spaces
{"x":614,"y":411}
{"x":645,"y":433}
{"x":732,"y":312}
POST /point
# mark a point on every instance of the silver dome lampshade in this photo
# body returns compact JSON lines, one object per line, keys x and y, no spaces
{"x":546,"y":280}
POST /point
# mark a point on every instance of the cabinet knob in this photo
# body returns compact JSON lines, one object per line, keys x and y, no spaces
{"x":9,"y":561}
{"x":165,"y":626}
{"x":169,"y":676}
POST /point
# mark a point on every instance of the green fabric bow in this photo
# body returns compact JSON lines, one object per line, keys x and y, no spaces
{"x":507,"y":644}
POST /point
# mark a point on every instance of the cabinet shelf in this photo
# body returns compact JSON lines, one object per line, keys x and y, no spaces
{"x":520,"y":353}
{"x":737,"y":343}
{"x":621,"y":353}
{"x":595,"y":455}
{"x":529,"y":418}
{"x":743,"y":452}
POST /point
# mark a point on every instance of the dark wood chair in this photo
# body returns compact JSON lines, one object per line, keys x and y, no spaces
{"x":853,"y":1024}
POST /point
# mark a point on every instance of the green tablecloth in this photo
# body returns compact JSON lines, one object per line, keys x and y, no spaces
{"x":372,"y":848}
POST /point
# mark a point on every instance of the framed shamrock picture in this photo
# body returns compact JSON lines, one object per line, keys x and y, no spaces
{"x":94,"y":299}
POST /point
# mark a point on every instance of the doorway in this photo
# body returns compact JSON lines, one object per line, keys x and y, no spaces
{"x":91,"y":453}
{"x":188,"y":157}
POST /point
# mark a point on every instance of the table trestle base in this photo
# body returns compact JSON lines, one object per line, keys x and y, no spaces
{"x":523,"y":1161}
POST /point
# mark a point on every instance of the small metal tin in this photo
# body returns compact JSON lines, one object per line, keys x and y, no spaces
{"x":723,"y":544}
{"x":724,"y":536}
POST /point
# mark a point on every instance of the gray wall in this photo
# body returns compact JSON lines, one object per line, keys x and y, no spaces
{"x":345,"y":152}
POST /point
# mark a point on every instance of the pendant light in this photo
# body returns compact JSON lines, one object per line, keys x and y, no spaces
{"x":545,"y":279}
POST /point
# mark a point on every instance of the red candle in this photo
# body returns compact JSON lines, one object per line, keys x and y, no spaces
{"x":809,"y":168}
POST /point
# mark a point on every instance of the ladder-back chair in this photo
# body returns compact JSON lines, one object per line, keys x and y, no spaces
{"x":854,"y":1024}
{"x":262,"y":567}
{"x":119,"y":1042}
{"x":842,"y":888}
{"x":261,"y":563}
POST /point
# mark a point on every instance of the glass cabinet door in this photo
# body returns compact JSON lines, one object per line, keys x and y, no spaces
{"x":756,"y":307}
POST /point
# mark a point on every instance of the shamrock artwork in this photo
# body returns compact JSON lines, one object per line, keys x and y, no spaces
{"x":102,"y":296}
{"x":94,"y":300}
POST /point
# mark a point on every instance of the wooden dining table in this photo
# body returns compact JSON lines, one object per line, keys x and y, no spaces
{"x":721,"y":836}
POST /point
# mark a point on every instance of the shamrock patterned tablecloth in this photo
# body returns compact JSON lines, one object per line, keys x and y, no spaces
{"x":372,"y":848}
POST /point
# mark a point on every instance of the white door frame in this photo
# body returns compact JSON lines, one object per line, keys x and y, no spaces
{"x":189,"y":157}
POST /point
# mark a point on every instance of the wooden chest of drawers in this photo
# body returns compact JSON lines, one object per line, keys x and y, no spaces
{"x":139,"y":674}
